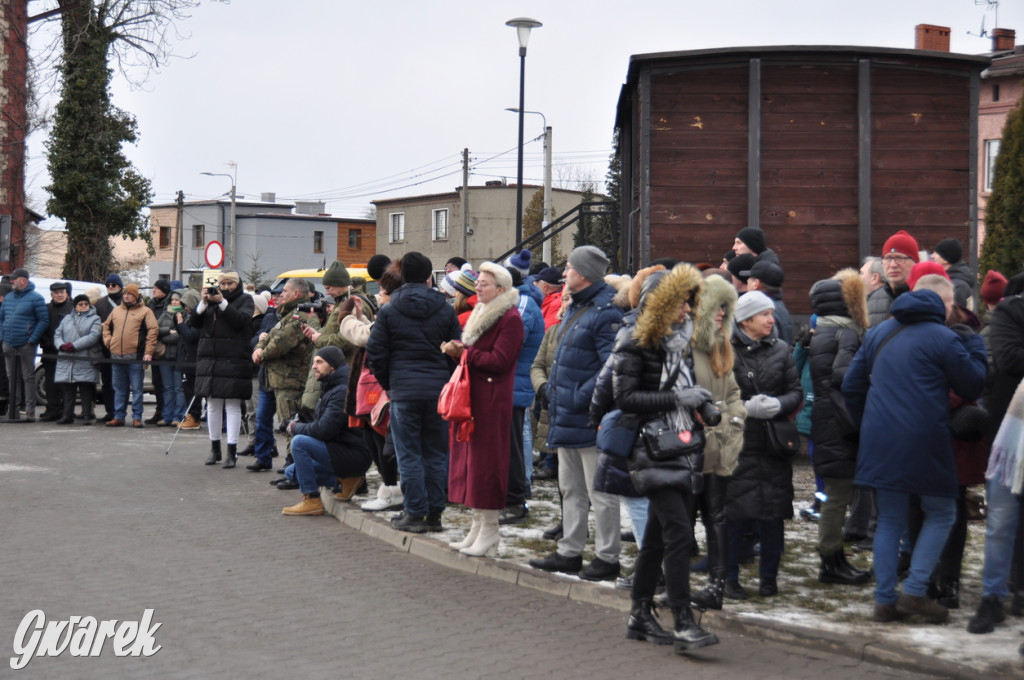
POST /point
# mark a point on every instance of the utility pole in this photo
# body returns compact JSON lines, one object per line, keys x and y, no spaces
{"x":548,"y":214}
{"x":177,"y":267}
{"x":465,"y":204}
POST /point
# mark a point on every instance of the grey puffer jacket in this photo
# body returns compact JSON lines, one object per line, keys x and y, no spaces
{"x":83,"y":330}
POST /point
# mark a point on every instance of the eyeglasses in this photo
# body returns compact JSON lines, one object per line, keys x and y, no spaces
{"x":113,"y":285}
{"x":896,"y":258}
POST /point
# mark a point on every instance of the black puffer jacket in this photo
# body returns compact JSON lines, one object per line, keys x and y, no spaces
{"x":762,"y":485}
{"x":330,"y":424}
{"x":404,"y":349}
{"x":223,"y":361}
{"x":1006,"y":341}
{"x":835,"y":341}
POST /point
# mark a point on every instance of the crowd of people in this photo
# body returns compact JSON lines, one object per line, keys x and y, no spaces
{"x":676,"y":392}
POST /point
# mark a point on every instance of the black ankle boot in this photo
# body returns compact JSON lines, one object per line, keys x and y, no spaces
{"x":949,"y":594}
{"x":643,"y":625}
{"x":214,"y":453}
{"x":229,"y":461}
{"x":687,"y":634}
{"x":710,"y":597}
{"x":249,"y":450}
{"x":835,"y":569}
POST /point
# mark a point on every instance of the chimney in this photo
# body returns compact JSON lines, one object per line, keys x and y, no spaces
{"x":1003,"y":39}
{"x":929,"y":37}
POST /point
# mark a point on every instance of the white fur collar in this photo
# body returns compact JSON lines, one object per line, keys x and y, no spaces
{"x":486,"y":315}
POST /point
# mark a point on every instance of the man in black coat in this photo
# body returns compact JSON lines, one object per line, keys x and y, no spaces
{"x":158,"y":303}
{"x":327,"y":451}
{"x":404,"y":355}
{"x":59,"y":306}
{"x":104,"y":306}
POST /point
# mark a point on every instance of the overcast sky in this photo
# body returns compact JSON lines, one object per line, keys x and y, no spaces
{"x":348,"y":101}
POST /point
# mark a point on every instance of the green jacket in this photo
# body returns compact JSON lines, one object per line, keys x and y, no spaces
{"x":287,"y":353}
{"x":329,"y":336}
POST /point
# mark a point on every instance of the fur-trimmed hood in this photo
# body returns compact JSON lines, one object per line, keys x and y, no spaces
{"x":486,"y":315}
{"x":717,"y":293}
{"x":842,"y":295}
{"x":621,"y":283}
{"x":638,"y":281}
{"x":661,"y":306}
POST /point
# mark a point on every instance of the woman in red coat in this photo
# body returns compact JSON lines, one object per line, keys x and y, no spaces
{"x":478,"y":468}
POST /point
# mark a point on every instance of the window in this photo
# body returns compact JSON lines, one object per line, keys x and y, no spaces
{"x":440,"y":225}
{"x":991,"y":153}
{"x":397,"y":227}
{"x":318,"y":241}
{"x":198,"y":235}
{"x":354,"y":236}
{"x":995,"y":92}
{"x":165,"y":237}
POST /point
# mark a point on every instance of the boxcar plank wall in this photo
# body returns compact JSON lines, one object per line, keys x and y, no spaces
{"x":823,"y":148}
{"x":698,"y":162}
{"x":920,"y":155}
{"x":809,"y":170}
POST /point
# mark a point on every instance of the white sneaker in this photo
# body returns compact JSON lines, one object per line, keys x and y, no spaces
{"x":383,"y":501}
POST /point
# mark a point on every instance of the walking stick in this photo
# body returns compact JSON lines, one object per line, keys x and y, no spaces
{"x":187,"y":409}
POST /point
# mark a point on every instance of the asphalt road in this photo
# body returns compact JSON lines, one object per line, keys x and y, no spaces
{"x":99,"y":522}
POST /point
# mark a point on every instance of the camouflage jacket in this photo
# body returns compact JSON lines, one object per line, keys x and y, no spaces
{"x":287,"y":353}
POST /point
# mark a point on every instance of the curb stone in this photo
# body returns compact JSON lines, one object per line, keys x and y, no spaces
{"x":862,"y":648}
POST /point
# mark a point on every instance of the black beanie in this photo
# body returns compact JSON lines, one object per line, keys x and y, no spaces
{"x":754,"y":238}
{"x":416,"y":267}
{"x":163,"y":285}
{"x":950,"y":249}
{"x":376,"y":266}
{"x":332,"y":355}
{"x":81,"y":298}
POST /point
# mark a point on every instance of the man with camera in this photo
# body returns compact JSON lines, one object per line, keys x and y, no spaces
{"x":285,"y":353}
{"x":326,"y":451}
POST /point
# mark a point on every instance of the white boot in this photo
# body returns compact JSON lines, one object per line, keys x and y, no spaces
{"x":474,"y":531}
{"x":488,"y":537}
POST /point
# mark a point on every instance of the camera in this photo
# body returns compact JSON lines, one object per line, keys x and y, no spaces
{"x":709,"y":413}
{"x":213,"y":290}
{"x":314,"y":306}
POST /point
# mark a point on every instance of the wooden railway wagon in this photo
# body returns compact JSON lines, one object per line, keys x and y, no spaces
{"x":829,"y":150}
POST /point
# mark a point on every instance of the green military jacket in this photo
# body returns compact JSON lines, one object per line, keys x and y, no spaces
{"x":329,"y":336}
{"x":287,"y":353}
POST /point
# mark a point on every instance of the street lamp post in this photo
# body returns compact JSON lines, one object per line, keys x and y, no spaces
{"x":523,"y":26}
{"x":234,"y":234}
{"x":546,"y":218}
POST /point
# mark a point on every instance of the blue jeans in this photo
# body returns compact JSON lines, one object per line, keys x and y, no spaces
{"x":174,"y":394}
{"x":1000,"y":533}
{"x":313,"y":467}
{"x":939,"y":515}
{"x":263,"y":440}
{"x":125,"y":377}
{"x":421,"y":445}
{"x":637,"y":509}
{"x":528,"y":448}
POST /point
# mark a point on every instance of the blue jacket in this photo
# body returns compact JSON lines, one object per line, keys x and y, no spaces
{"x":23,"y":317}
{"x":404,"y":349}
{"x":533,"y":332}
{"x":585,"y":340}
{"x":902,"y":402}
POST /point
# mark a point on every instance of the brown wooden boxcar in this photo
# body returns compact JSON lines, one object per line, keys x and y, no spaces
{"x":829,"y":150}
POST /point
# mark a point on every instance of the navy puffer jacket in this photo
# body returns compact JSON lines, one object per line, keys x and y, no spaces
{"x":585,"y":340}
{"x":23,"y":317}
{"x":404,"y":349}
{"x":330,"y":423}
{"x":905,"y":442}
{"x":533,"y":331}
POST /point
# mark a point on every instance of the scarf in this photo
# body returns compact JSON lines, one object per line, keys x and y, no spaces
{"x":677,"y":370}
{"x":1006,"y":463}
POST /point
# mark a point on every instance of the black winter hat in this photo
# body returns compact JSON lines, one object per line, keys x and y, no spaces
{"x":81,"y":298}
{"x":950,"y":249}
{"x":754,"y":238}
{"x":741,"y":263}
{"x":163,"y":285}
{"x":416,"y":267}
{"x":376,"y":266}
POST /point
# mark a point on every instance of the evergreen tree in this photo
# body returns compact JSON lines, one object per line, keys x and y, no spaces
{"x":595,"y":226}
{"x":613,"y":185}
{"x":94,"y":187}
{"x":1003,"y":249}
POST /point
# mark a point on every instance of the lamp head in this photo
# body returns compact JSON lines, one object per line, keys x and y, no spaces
{"x":523,"y":26}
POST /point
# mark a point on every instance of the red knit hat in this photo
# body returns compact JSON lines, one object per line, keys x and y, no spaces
{"x":993,"y":287}
{"x":903,"y":243}
{"x":923,"y":269}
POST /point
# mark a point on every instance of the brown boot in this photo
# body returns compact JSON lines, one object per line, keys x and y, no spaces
{"x":349,"y":486}
{"x":310,"y":505}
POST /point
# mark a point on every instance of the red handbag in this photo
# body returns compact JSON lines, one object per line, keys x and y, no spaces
{"x":454,"y":403}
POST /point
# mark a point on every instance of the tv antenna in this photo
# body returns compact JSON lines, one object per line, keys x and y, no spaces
{"x":988,"y":5}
